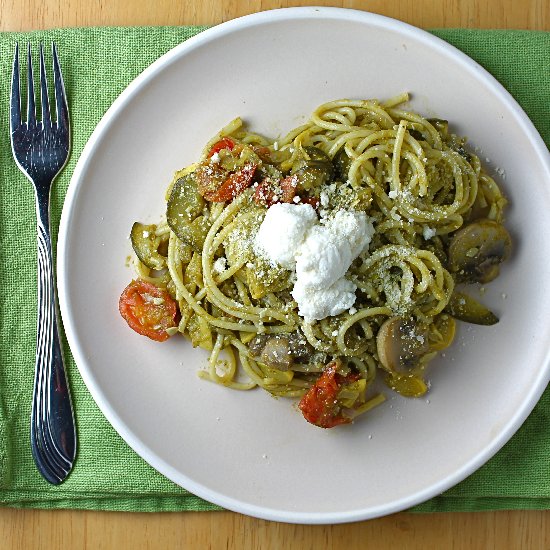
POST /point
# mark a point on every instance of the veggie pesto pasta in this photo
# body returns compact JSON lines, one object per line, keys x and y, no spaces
{"x":311,"y":265}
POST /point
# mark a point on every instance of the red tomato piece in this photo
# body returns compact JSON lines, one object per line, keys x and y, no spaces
{"x":268,"y":193}
{"x":288,"y":186}
{"x":312,"y":201}
{"x":209,"y":178}
{"x":264,"y":194}
{"x":224,"y":143}
{"x":234,"y":185}
{"x":263,"y":152}
{"x":320,"y":405}
{"x":148,"y":310}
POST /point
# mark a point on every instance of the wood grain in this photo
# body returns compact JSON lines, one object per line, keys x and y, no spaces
{"x":33,"y":14}
{"x":26,"y":529}
{"x":71,"y":529}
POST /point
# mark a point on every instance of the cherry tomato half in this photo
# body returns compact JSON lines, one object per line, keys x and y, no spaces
{"x":224,"y":143}
{"x":234,"y":185}
{"x":268,"y":193}
{"x":320,"y":405}
{"x":148,"y":310}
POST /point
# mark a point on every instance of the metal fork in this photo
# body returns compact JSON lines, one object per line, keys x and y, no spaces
{"x":41,"y":149}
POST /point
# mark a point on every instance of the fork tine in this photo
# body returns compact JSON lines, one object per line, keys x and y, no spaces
{"x":15,"y":98}
{"x":31,"y":106}
{"x":61,"y":105}
{"x":44,"y":99}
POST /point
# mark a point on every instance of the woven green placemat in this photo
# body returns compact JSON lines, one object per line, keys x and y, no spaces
{"x":98,"y":63}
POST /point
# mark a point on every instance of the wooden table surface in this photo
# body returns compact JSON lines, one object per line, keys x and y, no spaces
{"x":29,"y":529}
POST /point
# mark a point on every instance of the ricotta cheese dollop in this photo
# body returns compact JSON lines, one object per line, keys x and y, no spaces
{"x":282,"y":232}
{"x":319,"y":251}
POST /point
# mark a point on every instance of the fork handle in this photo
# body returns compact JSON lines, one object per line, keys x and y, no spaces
{"x":53,"y":434}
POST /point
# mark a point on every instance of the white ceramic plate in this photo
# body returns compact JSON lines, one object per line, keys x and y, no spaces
{"x":247,"y":451}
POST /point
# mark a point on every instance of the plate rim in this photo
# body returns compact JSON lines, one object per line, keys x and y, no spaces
{"x":203,"y":37}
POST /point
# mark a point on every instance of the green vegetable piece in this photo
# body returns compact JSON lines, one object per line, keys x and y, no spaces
{"x":185,"y":252}
{"x":342,"y":164}
{"x":182,"y":213}
{"x":246,"y":225}
{"x":456,"y":143}
{"x":199,"y":332}
{"x":145,"y":244}
{"x":416,"y":134}
{"x":185,"y":201}
{"x":352,"y":394}
{"x":193,"y":272}
{"x":194,"y":233}
{"x":463,"y":153}
{"x":314,"y":171}
{"x":442,"y":126}
{"x":467,"y":309}
{"x":263,"y":278}
{"x":406,"y":385}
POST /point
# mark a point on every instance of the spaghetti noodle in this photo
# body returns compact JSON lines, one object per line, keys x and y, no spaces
{"x":437,"y":218}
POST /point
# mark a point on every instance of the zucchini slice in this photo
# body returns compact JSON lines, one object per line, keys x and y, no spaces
{"x":145,"y":244}
{"x":468,"y":309}
{"x":183,"y":213}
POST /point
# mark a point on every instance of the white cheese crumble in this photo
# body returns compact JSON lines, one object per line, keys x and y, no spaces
{"x":320,"y":251}
{"x":316,"y":304}
{"x":428,"y":232}
{"x":220,"y":265}
{"x":501,"y":172}
{"x":282,"y":232}
{"x":150,"y":299}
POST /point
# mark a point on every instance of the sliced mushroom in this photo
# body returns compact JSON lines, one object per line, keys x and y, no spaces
{"x":277,"y":354}
{"x":477,"y":249}
{"x":280,"y":351}
{"x":301,"y":349}
{"x":272,"y":351}
{"x":256,"y":345}
{"x":468,"y":309}
{"x":401,"y":344}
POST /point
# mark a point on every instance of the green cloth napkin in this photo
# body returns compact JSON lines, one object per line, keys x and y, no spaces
{"x":98,"y":63}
